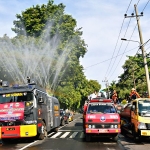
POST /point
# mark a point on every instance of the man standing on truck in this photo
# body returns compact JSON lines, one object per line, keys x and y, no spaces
{"x":93,"y":95}
{"x":134,"y":94}
{"x":114,"y":96}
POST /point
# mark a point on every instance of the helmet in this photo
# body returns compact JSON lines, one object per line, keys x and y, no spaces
{"x":133,"y":89}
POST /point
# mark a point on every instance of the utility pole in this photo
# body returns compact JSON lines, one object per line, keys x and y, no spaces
{"x":134,"y":79}
{"x":107,"y":86}
{"x":141,"y":46}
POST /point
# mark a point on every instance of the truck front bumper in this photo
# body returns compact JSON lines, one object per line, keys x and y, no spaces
{"x":98,"y":131}
{"x":18,"y":131}
{"x":144,"y":132}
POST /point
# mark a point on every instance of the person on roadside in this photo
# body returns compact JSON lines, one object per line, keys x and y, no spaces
{"x":134,"y":94}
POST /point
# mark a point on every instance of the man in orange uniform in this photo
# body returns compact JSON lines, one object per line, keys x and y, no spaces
{"x":114,"y":96}
{"x":134,"y":94}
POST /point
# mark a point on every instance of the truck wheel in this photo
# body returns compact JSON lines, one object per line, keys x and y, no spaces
{"x":135,"y":135}
{"x":43,"y":133}
{"x":87,"y":137}
{"x":115,"y":138}
{"x":63,"y":122}
{"x":67,"y":121}
{"x":56,"y":129}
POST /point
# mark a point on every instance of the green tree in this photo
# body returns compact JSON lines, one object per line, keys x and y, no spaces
{"x":50,"y":22}
{"x":133,"y":76}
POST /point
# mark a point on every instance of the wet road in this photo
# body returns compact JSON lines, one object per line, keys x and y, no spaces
{"x":71,"y":137}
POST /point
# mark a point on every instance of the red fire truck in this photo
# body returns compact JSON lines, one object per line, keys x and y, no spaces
{"x":100,"y":118}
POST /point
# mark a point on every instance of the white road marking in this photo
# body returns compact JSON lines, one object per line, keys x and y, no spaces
{"x":57,"y":134}
{"x":64,"y":135}
{"x":82,"y":135}
{"x":28,"y":145}
{"x":50,"y":134}
{"x":72,"y":130}
{"x":110,"y":143}
{"x":73,"y":135}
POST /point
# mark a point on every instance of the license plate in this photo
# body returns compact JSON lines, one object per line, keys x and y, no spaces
{"x":102,"y":130}
{"x":10,"y":129}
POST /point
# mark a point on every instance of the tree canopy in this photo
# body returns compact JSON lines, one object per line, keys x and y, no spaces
{"x":132,"y":77}
{"x":50,"y":23}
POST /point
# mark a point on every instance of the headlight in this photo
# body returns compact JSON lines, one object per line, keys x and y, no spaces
{"x":93,"y":126}
{"x":141,"y":125}
{"x":90,"y":126}
{"x":31,"y":122}
{"x":114,"y":126}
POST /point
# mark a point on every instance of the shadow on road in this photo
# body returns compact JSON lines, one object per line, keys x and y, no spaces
{"x":79,"y":124}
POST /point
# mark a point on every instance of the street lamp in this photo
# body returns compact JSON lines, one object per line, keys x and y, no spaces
{"x":130,"y":40}
{"x":141,"y":46}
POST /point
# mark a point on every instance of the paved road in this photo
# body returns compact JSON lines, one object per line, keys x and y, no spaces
{"x":71,"y":137}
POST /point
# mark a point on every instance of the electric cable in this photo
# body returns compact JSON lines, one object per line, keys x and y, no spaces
{"x":110,"y":58}
{"x":118,"y":38}
{"x":145,"y":5}
{"x":121,"y":43}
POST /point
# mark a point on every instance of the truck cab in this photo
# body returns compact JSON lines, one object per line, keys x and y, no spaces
{"x":101,"y":119}
{"x":135,"y":118}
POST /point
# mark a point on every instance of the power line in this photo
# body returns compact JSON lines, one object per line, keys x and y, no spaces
{"x":134,"y":28}
{"x":122,"y":42}
{"x":118,"y":39}
{"x":131,"y":64}
{"x":119,"y":47}
{"x":110,"y":58}
{"x":124,"y":51}
{"x":145,"y":5}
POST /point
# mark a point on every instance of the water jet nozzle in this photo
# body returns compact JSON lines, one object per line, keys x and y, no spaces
{"x":28,"y":79}
{"x":1,"y":81}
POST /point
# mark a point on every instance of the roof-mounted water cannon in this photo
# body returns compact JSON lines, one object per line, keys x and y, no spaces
{"x":28,"y":79}
{"x":5,"y":84}
{"x":32,"y":82}
{"x":1,"y":82}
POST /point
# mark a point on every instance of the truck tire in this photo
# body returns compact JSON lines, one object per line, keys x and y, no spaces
{"x":56,"y":129}
{"x":67,"y":121}
{"x":87,"y":137}
{"x":115,"y":138}
{"x":43,"y":133}
{"x":63,"y":122}
{"x":135,"y":135}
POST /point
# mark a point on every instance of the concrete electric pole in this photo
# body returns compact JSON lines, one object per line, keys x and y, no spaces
{"x":141,"y":46}
{"x":107,"y":86}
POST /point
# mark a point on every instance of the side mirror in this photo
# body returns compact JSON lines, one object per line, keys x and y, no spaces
{"x":118,"y":111}
{"x":133,"y":108}
{"x":119,"y":108}
{"x":40,"y":100}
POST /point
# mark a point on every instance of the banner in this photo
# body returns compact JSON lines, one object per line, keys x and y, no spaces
{"x":12,"y":111}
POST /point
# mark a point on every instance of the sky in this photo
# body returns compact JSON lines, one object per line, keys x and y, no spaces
{"x":103,"y":25}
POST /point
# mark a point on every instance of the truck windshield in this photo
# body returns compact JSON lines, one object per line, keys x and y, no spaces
{"x":16,"y":97}
{"x":144,"y":107}
{"x":101,"y":108}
